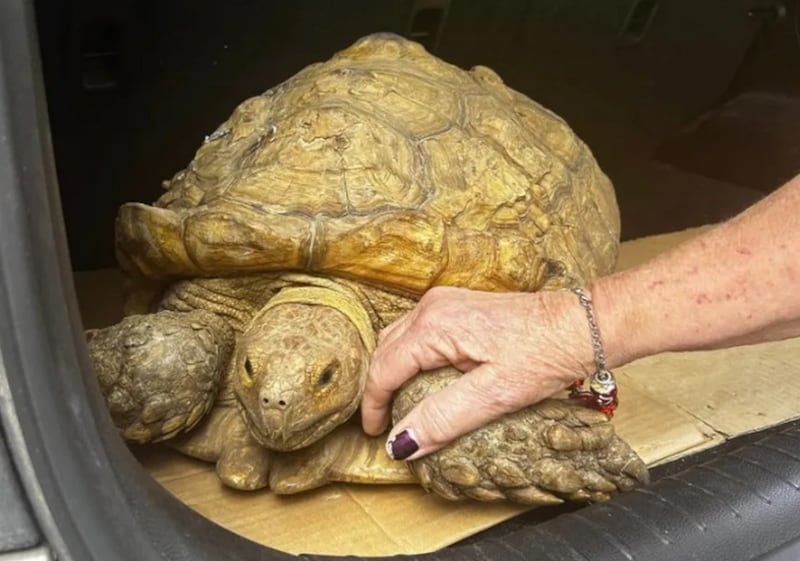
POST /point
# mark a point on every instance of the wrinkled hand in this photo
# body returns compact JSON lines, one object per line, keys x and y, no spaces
{"x":515,"y":349}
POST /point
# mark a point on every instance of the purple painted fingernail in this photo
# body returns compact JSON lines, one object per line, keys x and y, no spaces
{"x":402,"y":445}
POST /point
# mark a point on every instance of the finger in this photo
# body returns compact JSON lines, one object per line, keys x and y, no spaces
{"x":399,"y":326}
{"x":464,"y":405}
{"x":395,"y":329}
{"x":390,"y":369}
{"x":395,"y":359}
{"x":470,"y":402}
{"x":374,"y":412}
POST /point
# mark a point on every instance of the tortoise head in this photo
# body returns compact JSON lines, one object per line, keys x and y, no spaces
{"x":299,"y":371}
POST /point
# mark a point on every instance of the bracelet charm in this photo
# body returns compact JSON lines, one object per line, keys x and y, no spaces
{"x":602,"y":391}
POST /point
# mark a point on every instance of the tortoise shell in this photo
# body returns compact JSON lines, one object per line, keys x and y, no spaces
{"x":389,"y":166}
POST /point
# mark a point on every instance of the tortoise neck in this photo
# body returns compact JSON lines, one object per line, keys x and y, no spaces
{"x":343,"y":296}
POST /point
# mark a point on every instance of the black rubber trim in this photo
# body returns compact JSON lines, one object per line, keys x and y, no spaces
{"x":740,"y":504}
{"x":93,"y":502}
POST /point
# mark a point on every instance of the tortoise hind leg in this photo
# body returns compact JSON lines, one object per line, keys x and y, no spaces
{"x":346,"y":455}
{"x":547,"y":453}
{"x":160,"y":373}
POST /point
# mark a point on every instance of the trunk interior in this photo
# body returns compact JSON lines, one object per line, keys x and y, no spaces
{"x":691,"y":108}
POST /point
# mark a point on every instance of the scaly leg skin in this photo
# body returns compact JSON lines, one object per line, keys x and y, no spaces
{"x":223,"y":437}
{"x":160,"y":373}
{"x":346,"y":455}
{"x":550,"y":452}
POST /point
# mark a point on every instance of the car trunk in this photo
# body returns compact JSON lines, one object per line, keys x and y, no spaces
{"x":692,"y":109}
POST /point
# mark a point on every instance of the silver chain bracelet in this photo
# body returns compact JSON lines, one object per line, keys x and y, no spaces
{"x":602,"y":391}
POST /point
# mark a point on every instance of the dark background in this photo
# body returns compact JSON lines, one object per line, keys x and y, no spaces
{"x":691,"y":106}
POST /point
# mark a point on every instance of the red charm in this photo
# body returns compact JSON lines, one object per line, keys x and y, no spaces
{"x":601,"y":395}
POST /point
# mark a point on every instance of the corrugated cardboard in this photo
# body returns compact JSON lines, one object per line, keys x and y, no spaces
{"x":672,"y":405}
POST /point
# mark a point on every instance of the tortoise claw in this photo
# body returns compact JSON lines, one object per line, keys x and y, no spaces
{"x":245,"y":467}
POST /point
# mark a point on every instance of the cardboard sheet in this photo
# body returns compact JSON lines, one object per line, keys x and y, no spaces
{"x":674,"y":405}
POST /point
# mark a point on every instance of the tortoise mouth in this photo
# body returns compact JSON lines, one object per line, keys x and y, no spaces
{"x":294,"y":436}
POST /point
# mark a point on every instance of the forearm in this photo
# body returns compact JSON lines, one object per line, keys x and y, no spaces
{"x":735,"y":284}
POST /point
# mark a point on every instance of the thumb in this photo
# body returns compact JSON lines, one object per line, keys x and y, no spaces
{"x":468,"y":403}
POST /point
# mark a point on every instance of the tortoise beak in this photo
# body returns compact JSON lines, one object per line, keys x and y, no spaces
{"x":280,"y":430}
{"x":274,"y":422}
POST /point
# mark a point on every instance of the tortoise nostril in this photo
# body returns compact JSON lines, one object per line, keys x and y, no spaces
{"x":272,"y":403}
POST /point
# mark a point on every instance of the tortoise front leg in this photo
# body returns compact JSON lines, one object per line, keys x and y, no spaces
{"x":160,"y":373}
{"x":346,"y":455}
{"x":224,"y":438}
{"x":547,"y":453}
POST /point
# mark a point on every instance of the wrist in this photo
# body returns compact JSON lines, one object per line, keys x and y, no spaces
{"x":593,"y":384}
{"x":560,"y":320}
{"x":621,"y":321}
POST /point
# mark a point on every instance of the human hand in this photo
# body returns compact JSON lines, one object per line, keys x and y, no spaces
{"x":515,"y":349}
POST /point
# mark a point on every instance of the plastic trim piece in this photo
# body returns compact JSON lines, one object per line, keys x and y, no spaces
{"x":36,"y":554}
{"x":93,"y":502}
{"x":17,"y":528}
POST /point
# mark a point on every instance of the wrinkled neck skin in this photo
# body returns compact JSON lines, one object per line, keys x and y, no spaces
{"x":300,"y":367}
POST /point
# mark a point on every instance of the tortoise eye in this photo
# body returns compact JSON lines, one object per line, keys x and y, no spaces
{"x":326,"y":376}
{"x":248,"y":368}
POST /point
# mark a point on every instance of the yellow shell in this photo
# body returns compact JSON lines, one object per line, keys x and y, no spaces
{"x":389,"y":166}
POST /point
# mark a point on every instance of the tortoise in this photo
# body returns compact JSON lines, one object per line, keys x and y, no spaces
{"x":318,"y":213}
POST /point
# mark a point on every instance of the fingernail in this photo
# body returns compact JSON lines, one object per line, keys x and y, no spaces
{"x":402,"y":445}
